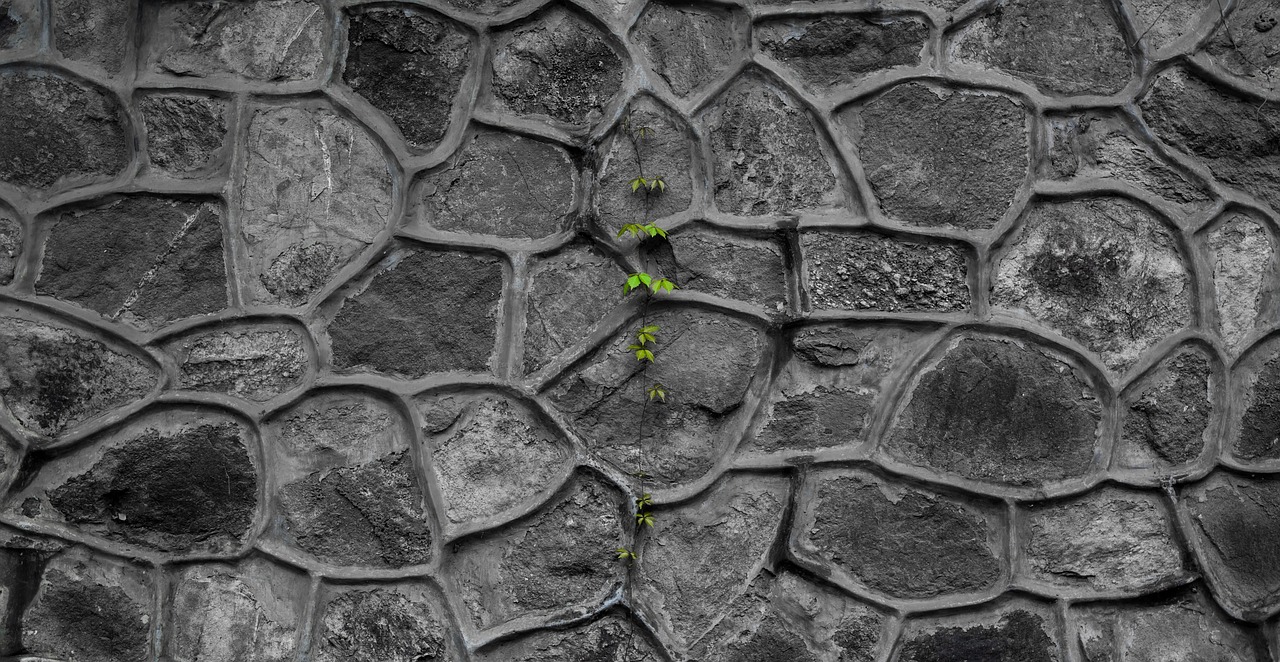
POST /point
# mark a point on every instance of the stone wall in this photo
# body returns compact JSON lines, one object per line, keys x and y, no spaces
{"x":313,"y":339}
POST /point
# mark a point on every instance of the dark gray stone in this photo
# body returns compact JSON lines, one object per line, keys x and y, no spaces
{"x":569,"y":293}
{"x":10,"y":245}
{"x":19,"y":23}
{"x":1187,"y":626}
{"x":1166,"y":418}
{"x":263,"y":40}
{"x":95,"y":32}
{"x":257,"y":362}
{"x":664,"y":150}
{"x":1255,"y":436}
{"x":689,"y":45}
{"x":1019,"y":635}
{"x":247,"y":612}
{"x":185,"y":134}
{"x":608,"y":639}
{"x":394,"y":624}
{"x":89,"y":610}
{"x":1235,"y":522}
{"x":871,"y":271}
{"x":841,"y":49}
{"x":727,"y":265}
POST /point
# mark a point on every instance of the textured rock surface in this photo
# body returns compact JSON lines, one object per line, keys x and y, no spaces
{"x":1234,"y":521}
{"x":266,"y":40}
{"x":1243,"y":261}
{"x":1162,"y":24}
{"x":93,"y":32}
{"x":89,"y":609}
{"x":657,"y":139}
{"x":1184,"y":627}
{"x":255,"y":362}
{"x":566,"y":300}
{"x":19,"y":23}
{"x":869,"y":271}
{"x":1014,"y":633}
{"x":1165,"y":423}
{"x":237,"y":613}
{"x":185,"y":134}
{"x":1255,"y":433}
{"x":10,"y":246}
{"x":1246,"y":42}
{"x":835,"y":50}
{"x":607,"y":639}
{"x":689,"y":45}
{"x":729,"y":266}
{"x":384,"y":624}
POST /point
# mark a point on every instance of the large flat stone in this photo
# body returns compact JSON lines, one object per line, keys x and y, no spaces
{"x":689,"y":45}
{"x":728,"y":265}
{"x":260,"y":40}
{"x":1242,"y":254}
{"x":89,"y":609}
{"x":256,"y":362}
{"x":1165,"y":421}
{"x":186,"y":134}
{"x":834,"y":50}
{"x":1235,"y":523}
{"x":247,"y":612}
{"x":566,"y":300}
{"x":873,"y":271}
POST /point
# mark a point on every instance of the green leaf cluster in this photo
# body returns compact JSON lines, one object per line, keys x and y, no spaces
{"x":655,"y":184}
{"x":642,"y":232}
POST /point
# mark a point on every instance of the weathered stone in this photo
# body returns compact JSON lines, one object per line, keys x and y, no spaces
{"x":1165,"y":421}
{"x":22,"y":562}
{"x":731,"y":266}
{"x":558,"y":66}
{"x":248,"y":612}
{"x":59,"y":130}
{"x":1246,"y":43}
{"x":609,"y":639}
{"x":767,"y":157}
{"x":705,"y":361}
{"x":316,"y":191}
{"x":1242,"y":255}
{"x":257,"y":362}
{"x":1109,"y":540}
{"x":1186,"y":627}
{"x":404,"y":623}
{"x":1060,"y":46}
{"x":428,"y":311}
{"x":409,"y":64}
{"x":497,"y":454}
{"x":95,"y":32}
{"x":1235,"y":523}
{"x":177,"y":480}
{"x":998,"y":410}
{"x":334,"y":428}
{"x":1103,"y":271}
{"x":826,"y":392}
{"x":897,"y":540}
{"x":699,"y":557}
{"x":938,"y":157}
{"x":52,"y":377}
{"x":841,"y":49}
{"x":1255,"y":435}
{"x":653,"y":141}
{"x":689,"y":45}
{"x":872,"y":271}
{"x":555,"y":562}
{"x":502,"y":184}
{"x":19,"y":23}
{"x":185,"y":134}
{"x":1162,"y":24}
{"x":10,"y":245}
{"x":1233,"y":135}
{"x":486,"y":7}
{"x":10,"y":459}
{"x":89,"y":609}
{"x":265,"y":40}
{"x":1019,"y":634}
{"x":143,"y":259}
{"x":566,"y":300}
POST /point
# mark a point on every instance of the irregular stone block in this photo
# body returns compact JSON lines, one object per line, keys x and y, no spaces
{"x":1162,"y":24}
{"x":836,"y":50}
{"x":998,"y":410}
{"x":261,"y":40}
{"x":95,"y":32}
{"x":256,"y":362}
{"x":409,"y":64}
{"x":428,"y":311}
{"x":1246,"y":43}
{"x":10,"y":459}
{"x":22,"y":562}
{"x":185,"y":134}
{"x":1255,"y":435}
{"x":1062,"y":47}
{"x":316,"y":190}
{"x":705,"y":362}
{"x":940,"y":157}
{"x":871,"y":271}
{"x":10,"y":245}
{"x":180,"y":479}
{"x":689,"y":45}
{"x":1242,"y":256}
{"x":248,"y":612}
{"x":1185,"y":627}
{"x":566,"y":300}
{"x":653,"y":140}
{"x":1234,"y":523}
{"x":504,"y":185}
{"x":53,"y":377}
{"x":60,"y":130}
{"x":19,"y":23}
{"x":1165,"y":422}
{"x":1014,"y":632}
{"x":485,"y":7}
{"x":700,"y":556}
{"x":143,"y":259}
{"x":491,"y":453}
{"x":404,"y":623}
{"x":899,"y":541}
{"x":1103,"y":271}
{"x":89,"y":609}
{"x":731,"y":266}
{"x":558,"y":66}
{"x":767,"y":156}
{"x":554,"y":563}
{"x":610,"y":638}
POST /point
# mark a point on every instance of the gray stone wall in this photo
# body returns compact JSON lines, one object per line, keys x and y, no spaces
{"x":313,"y":338}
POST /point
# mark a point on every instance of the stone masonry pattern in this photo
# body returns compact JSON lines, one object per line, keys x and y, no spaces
{"x":313,"y":338}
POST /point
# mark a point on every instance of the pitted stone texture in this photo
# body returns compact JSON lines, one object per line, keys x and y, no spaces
{"x":316,"y":190}
{"x":896,"y":540}
{"x":178,"y":480}
{"x":664,"y":150}
{"x":1242,"y":255}
{"x":89,"y":609}
{"x":706,"y":361}
{"x":504,"y":185}
{"x":248,"y":612}
{"x":1105,"y":542}
{"x":1234,"y":522}
{"x":10,"y":245}
{"x":1165,"y":418}
{"x":831,"y":384}
{"x":1103,"y":271}
{"x":484,"y":7}
{"x":552,"y":563}
{"x":404,"y":623}
{"x":1015,"y":632}
{"x":492,"y":454}
{"x":767,"y":156}
{"x":53,"y":377}
{"x":1102,"y":146}
{"x":185,"y":133}
{"x":700,"y":556}
{"x":19,"y":23}
{"x":688,"y":45}
{"x":730,"y":266}
{"x":260,"y":40}
{"x":1234,"y":136}
{"x":10,"y":459}
{"x":22,"y":560}
{"x":1163,"y":24}
{"x":1246,"y":43}
{"x":785,"y":617}
{"x":1000,"y":411}
{"x":872,"y":271}
{"x":566,"y":300}
{"x":409,"y":64}
{"x":142,"y":259}
{"x":841,"y":49}
{"x":427,"y":311}
{"x":558,"y":66}
{"x":1186,"y":627}
{"x":94,"y":32}
{"x":256,"y":362}
{"x":59,"y":131}
{"x":610,"y":639}
{"x":1255,"y":435}
{"x":1063,"y":47}
{"x":937,"y":157}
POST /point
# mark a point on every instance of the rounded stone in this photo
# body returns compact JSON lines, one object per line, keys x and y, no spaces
{"x":1234,"y":524}
{"x":1165,"y":423}
{"x":834,"y":50}
{"x":688,"y":44}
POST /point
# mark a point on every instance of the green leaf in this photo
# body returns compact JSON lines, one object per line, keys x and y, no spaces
{"x":634,"y":348}
{"x":656,"y":391}
{"x":652,"y":328}
{"x":645,"y":500}
{"x":644,"y":355}
{"x":644,"y":278}
{"x":645,"y":518}
{"x":655,"y":231}
{"x":646,"y":338}
{"x":624,"y":553}
{"x":637,"y":183}
{"x":662,"y":186}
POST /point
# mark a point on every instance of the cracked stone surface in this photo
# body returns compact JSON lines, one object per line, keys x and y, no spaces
{"x":255,"y":363}
{"x":1165,"y":423}
{"x":869,"y":271}
{"x":357,"y":624}
{"x":242,"y":612}
{"x":657,"y":138}
{"x":1243,"y":260}
{"x":689,"y":45}
{"x":566,"y":301}
{"x":836,"y":50}
{"x":186,"y":134}
{"x":263,"y":40}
